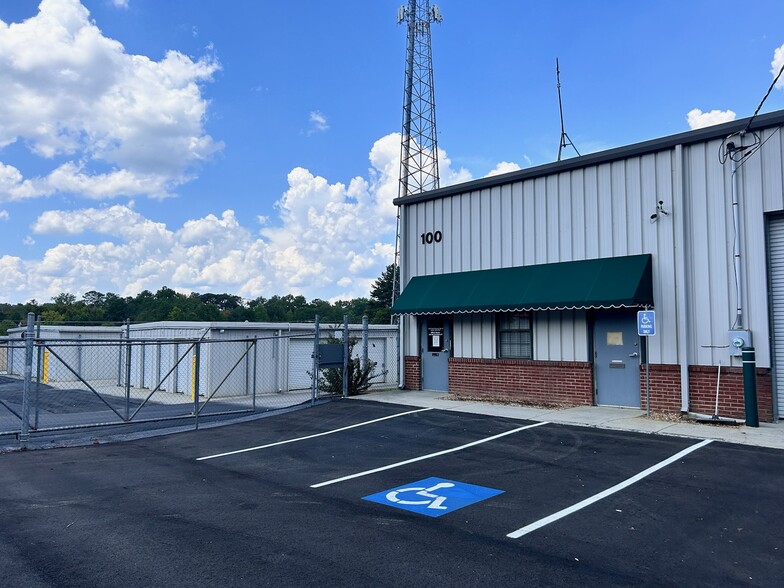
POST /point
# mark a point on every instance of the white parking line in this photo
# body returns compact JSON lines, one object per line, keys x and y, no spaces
{"x":310,"y":436}
{"x":595,"y":498}
{"x":428,"y":456}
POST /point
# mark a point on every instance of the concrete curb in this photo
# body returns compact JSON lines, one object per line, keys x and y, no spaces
{"x":618,"y":419}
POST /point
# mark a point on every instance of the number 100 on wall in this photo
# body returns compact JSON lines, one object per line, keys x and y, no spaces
{"x":430,"y":238}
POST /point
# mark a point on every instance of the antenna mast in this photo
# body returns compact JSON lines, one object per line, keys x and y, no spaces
{"x":565,"y":140}
{"x":419,"y":146}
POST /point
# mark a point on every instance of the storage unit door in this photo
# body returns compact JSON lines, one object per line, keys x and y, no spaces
{"x":776,"y":244}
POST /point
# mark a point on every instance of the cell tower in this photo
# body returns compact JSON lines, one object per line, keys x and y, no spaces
{"x":418,"y":146}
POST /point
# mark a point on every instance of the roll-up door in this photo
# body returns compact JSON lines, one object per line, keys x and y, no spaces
{"x":776,"y":256}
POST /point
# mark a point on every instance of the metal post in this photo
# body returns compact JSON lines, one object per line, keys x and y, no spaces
{"x":196,"y":354}
{"x":142,"y":364}
{"x":39,"y":358}
{"x":647,"y":379}
{"x":28,"y":376}
{"x":365,"y":330}
{"x":247,"y":366}
{"x":255,"y":367}
{"x":277,"y":345}
{"x":750,"y":386}
{"x":345,"y":356}
{"x":119,"y":361}
{"x":644,"y":349}
{"x":127,"y":368}
{"x":314,"y":383}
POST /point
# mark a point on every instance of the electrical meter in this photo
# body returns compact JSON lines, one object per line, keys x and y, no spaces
{"x":738,"y":340}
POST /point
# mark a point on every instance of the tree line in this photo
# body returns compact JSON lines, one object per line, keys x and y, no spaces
{"x":96,"y":308}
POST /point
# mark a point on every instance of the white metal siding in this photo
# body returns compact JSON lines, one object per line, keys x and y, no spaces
{"x":710,"y":271}
{"x":598,"y":211}
{"x":776,"y":245}
{"x":604,"y":210}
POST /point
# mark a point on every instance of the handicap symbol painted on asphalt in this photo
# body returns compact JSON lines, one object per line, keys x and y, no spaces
{"x":433,"y":497}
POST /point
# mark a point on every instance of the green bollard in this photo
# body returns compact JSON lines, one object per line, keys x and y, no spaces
{"x":750,"y":386}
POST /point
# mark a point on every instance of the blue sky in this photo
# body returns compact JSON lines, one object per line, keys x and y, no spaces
{"x":251,"y":146}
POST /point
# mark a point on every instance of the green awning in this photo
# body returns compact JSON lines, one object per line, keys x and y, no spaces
{"x":612,"y":282}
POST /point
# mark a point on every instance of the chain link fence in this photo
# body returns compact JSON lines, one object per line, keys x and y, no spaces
{"x":57,"y":380}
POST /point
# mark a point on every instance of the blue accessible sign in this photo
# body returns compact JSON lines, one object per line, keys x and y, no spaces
{"x":433,"y":497}
{"x":646,"y":323}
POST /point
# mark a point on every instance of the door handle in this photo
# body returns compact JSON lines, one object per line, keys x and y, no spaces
{"x":635,"y":354}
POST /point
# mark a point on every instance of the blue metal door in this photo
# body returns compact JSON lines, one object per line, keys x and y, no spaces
{"x":436,"y":338}
{"x":616,"y":361}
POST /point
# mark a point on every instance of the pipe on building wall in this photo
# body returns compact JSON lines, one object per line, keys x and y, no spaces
{"x":401,"y":343}
{"x":679,"y":246}
{"x":736,"y":242}
{"x":401,"y":368}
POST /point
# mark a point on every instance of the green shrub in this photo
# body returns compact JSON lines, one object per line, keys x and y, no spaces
{"x":359,"y":379}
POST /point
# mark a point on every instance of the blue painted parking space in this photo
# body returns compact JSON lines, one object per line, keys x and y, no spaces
{"x":433,"y":497}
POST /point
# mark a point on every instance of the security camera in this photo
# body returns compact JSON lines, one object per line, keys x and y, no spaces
{"x":661,"y":202}
{"x":654,"y":217}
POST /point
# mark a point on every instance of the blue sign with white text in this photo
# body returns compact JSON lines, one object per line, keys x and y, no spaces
{"x":433,"y":497}
{"x":646,"y":323}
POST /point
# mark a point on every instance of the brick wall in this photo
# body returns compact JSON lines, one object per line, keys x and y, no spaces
{"x":702,"y":392}
{"x":666,"y":390}
{"x":413,"y":372}
{"x":571,"y":383}
{"x":526,"y":382}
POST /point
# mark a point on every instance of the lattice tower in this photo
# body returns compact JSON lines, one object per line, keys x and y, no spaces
{"x":419,"y":143}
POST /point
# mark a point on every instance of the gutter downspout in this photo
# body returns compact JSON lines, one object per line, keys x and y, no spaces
{"x":679,"y":245}
{"x":401,"y":346}
{"x":731,"y":149}
{"x":401,"y":377}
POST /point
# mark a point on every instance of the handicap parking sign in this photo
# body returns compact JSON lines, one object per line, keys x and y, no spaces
{"x":646,"y":323}
{"x":433,"y":497}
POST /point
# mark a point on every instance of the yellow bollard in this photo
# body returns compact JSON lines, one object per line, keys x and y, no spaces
{"x":46,"y":367}
{"x":193,"y":378}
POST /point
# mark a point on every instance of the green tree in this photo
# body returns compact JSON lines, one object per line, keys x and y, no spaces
{"x":52,"y":316}
{"x":93,"y":298}
{"x":115,"y":308}
{"x":224,"y":302}
{"x":64,"y":299}
{"x":381,"y":296}
{"x":256,"y":306}
{"x":6,"y":324}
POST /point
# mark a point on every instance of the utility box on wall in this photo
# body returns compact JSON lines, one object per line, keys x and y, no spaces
{"x":738,"y":340}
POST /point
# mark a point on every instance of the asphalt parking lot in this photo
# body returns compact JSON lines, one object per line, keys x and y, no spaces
{"x":362,"y":493}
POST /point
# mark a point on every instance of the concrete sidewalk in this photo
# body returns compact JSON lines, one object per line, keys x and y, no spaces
{"x":620,"y":419}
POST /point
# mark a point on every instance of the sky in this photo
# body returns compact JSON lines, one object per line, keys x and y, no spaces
{"x":252,"y":147}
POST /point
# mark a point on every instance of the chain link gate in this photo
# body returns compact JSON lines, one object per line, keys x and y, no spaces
{"x":114,"y":377}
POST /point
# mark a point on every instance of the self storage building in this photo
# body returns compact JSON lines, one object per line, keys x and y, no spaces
{"x":526,"y":286}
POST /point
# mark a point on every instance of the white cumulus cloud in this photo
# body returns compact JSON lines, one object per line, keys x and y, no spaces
{"x":776,"y":65}
{"x":70,"y":93}
{"x":318,"y":123}
{"x":698,"y":119}
{"x":503,"y":168}
{"x":330,"y":240}
{"x":4,"y":215}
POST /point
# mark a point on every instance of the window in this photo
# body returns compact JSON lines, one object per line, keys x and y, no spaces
{"x":515,"y":338}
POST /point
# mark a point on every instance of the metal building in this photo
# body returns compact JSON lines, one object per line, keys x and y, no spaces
{"x":162,"y":355}
{"x":526,"y":286}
